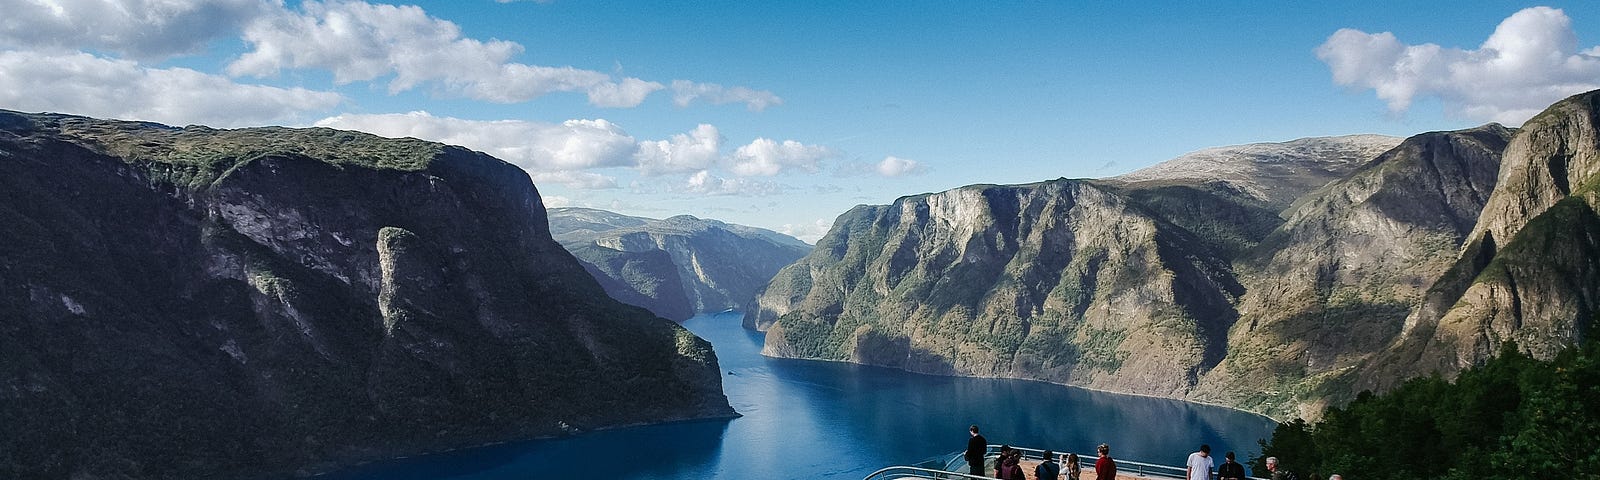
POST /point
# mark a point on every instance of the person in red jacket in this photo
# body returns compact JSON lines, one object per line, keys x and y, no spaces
{"x":1105,"y":468}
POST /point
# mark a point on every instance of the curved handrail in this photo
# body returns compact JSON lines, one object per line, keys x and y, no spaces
{"x":902,"y":471}
{"x":1141,"y":469}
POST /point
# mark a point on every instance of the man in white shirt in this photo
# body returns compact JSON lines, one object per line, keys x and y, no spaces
{"x":1200,"y":464}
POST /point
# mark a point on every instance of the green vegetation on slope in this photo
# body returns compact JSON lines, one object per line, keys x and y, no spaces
{"x":1514,"y":417}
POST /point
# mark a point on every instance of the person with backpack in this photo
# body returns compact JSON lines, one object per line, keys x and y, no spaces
{"x":1047,"y":469}
{"x":999,"y":460}
{"x":1278,"y":473}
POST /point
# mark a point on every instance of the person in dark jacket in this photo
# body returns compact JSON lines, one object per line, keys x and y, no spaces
{"x":1230,"y":470}
{"x":1009,"y":465}
{"x":976,"y":447}
{"x":1047,"y":469}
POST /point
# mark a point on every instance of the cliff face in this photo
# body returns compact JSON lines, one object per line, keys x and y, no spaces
{"x":192,"y":303}
{"x":1063,"y":281}
{"x":1530,"y":272}
{"x":1332,"y":285}
{"x":1231,"y":277}
{"x":678,"y":266}
{"x":1275,"y":174}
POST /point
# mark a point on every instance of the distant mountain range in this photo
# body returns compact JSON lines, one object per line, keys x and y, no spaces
{"x":1278,"y":278}
{"x":202,"y":303}
{"x":674,"y":267}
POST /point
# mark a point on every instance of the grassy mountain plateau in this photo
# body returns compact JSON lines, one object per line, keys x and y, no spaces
{"x":674,"y":267}
{"x":1279,"y":278}
{"x":202,"y":303}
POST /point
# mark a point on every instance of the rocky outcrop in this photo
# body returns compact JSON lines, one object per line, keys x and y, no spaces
{"x":1332,"y":285}
{"x":1275,"y":174}
{"x":200,"y":303}
{"x":678,"y":266}
{"x":1063,"y":281}
{"x":1530,"y":272}
{"x":1237,"y":275}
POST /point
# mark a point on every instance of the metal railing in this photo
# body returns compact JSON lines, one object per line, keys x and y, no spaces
{"x":902,"y":472}
{"x":1124,"y":467}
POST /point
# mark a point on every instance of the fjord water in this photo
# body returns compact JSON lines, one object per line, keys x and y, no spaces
{"x":820,"y":420}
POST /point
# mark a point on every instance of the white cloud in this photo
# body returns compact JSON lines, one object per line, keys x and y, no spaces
{"x":139,"y":28}
{"x":1530,"y":61}
{"x":359,"y":41}
{"x":704,"y":183}
{"x":84,"y":84}
{"x":688,"y":152}
{"x":685,"y":92}
{"x":583,"y":180}
{"x":555,"y":201}
{"x":768,"y":157}
{"x":893,"y":166}
{"x":535,"y":146}
{"x":807,"y":232}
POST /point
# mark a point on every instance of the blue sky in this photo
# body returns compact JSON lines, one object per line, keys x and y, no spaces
{"x":785,"y":114}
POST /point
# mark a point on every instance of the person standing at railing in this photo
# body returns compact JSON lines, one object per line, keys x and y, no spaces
{"x":1230,"y":470}
{"x":1074,"y":466}
{"x":1199,"y":464}
{"x":1047,"y":469}
{"x":976,"y":447}
{"x":1105,"y":468}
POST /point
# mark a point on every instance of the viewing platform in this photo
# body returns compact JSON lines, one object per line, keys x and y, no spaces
{"x":955,"y":468}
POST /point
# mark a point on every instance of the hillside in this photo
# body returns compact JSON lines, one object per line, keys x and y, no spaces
{"x":202,"y":303}
{"x":677,"y":266}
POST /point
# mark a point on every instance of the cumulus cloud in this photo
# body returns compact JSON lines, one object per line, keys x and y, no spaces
{"x":574,"y":179}
{"x":704,"y":183}
{"x":359,"y":41}
{"x":535,"y":146}
{"x":556,"y":201}
{"x":85,"y":84}
{"x":685,"y":92}
{"x":807,"y":232}
{"x":1531,"y":60}
{"x":684,"y":152}
{"x":767,"y":157}
{"x":138,"y":28}
{"x":893,"y":166}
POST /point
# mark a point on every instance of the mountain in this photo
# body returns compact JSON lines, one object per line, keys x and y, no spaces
{"x":1063,"y":281}
{"x":1332,"y":285}
{"x":1530,"y":271}
{"x":201,"y":303}
{"x":674,"y":267}
{"x":1232,"y":197}
{"x":1275,"y":174}
{"x":1257,"y":276}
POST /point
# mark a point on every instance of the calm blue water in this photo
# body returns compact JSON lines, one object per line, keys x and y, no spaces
{"x":820,"y":420}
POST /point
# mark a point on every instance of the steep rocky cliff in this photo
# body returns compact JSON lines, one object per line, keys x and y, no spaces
{"x":200,"y":303}
{"x":1229,"y":275}
{"x":1333,"y":284}
{"x":1064,"y":281}
{"x":678,"y":266}
{"x":1232,"y":197}
{"x":1530,"y":272}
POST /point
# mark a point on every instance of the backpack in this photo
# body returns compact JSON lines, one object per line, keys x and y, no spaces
{"x":1041,"y":472}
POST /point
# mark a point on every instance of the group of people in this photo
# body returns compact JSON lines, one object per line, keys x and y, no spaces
{"x":1009,"y":464}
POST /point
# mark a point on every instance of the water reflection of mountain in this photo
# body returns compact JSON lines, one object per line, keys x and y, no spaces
{"x":806,"y":419}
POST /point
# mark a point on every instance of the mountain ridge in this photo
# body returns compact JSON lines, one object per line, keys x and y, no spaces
{"x":183,"y":302}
